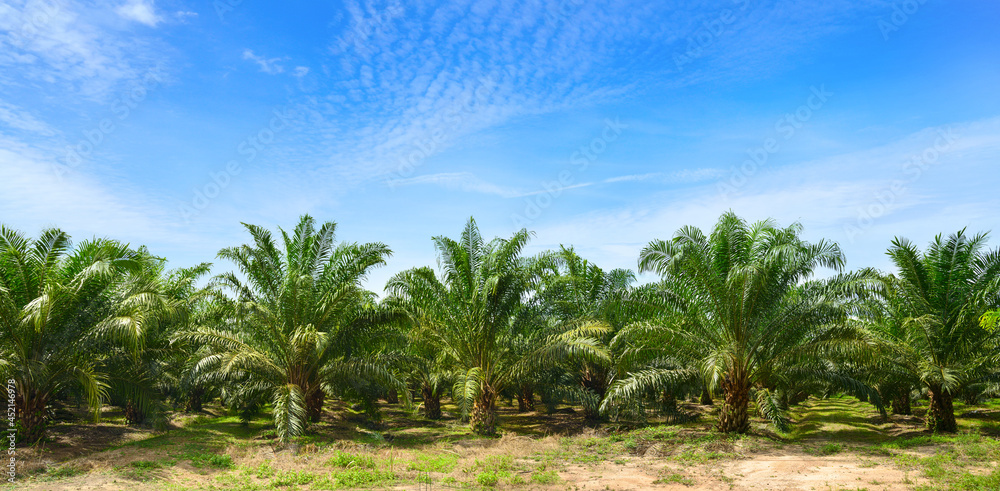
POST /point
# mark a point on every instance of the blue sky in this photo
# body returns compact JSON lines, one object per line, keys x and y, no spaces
{"x":597,"y":124}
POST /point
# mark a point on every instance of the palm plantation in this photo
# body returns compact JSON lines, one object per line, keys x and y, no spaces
{"x":58,"y":305}
{"x":931,"y":322}
{"x":471,"y":316}
{"x":739,"y":307}
{"x":749,"y":313}
{"x":297,"y":324}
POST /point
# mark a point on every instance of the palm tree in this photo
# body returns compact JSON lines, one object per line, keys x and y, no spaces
{"x":141,"y":380}
{"x":932,"y":328}
{"x":57,"y":305}
{"x":738,"y":306}
{"x":470,"y":315}
{"x":299,"y":324}
{"x":577,"y":292}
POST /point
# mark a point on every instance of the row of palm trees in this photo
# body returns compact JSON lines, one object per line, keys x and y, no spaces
{"x":745,"y":313}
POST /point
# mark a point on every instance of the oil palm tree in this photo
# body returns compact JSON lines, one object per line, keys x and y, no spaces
{"x":577,"y":292}
{"x":58,"y":304}
{"x":470,"y":316}
{"x":298,"y":324}
{"x":740,"y":307}
{"x":141,"y":380}
{"x":936,"y":327}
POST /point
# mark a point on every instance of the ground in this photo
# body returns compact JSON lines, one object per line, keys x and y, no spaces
{"x":836,"y":443}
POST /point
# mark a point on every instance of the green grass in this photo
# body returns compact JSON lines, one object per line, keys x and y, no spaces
{"x":348,"y":460}
{"x":675,"y":478}
{"x":441,"y":463}
{"x":62,"y":472}
{"x":348,"y":456}
{"x":140,"y":470}
{"x":545,"y":477}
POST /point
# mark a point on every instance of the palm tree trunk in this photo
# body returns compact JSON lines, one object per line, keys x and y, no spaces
{"x":483,"y":419}
{"x":706,"y":396}
{"x":392,"y":397}
{"x":31,"y":413}
{"x":134,"y":414}
{"x":432,"y":402}
{"x":971,"y":397}
{"x":525,"y":399}
{"x":901,"y":402}
{"x":668,"y":403}
{"x":734,"y":416}
{"x":941,"y":413}
{"x":194,"y":402}
{"x":314,"y":405}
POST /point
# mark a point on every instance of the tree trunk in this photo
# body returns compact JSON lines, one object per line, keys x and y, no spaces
{"x":432,"y":402}
{"x":901,"y":402}
{"x":971,"y":397}
{"x":392,"y":397}
{"x":706,"y":396}
{"x":798,"y":398}
{"x":483,"y":419}
{"x":193,"y":404}
{"x":668,"y":403}
{"x":134,"y":415}
{"x":734,"y":416}
{"x":525,"y":399}
{"x":31,"y":414}
{"x":314,"y":405}
{"x":941,"y":413}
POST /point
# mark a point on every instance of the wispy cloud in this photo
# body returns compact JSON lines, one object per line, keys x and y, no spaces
{"x":17,"y":118}
{"x":403,"y":82}
{"x":267,"y":65}
{"x":827,"y":195}
{"x":141,"y":11}
{"x":686,"y":176}
{"x":72,"y":48}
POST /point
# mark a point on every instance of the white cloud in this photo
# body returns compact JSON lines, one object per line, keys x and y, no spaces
{"x":839,"y":198}
{"x":70,"y":48}
{"x":18,"y":118}
{"x":300,"y":71}
{"x":685,"y":176}
{"x":462,"y":181}
{"x":267,"y":65}
{"x":33,"y":191}
{"x":141,"y":11}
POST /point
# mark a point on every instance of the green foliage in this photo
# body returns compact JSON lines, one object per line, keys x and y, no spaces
{"x":298,"y":326}
{"x":434,"y":463}
{"x":62,"y":308}
{"x":931,"y":321}
{"x":473,"y":317}
{"x":350,"y":461}
{"x":736,"y":309}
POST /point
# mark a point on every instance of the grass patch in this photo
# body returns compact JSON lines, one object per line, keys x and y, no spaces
{"x":433,"y":463}
{"x":545,"y":477}
{"x":675,"y":478}
{"x":349,"y":461}
{"x":140,"y":470}
{"x":62,"y":472}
